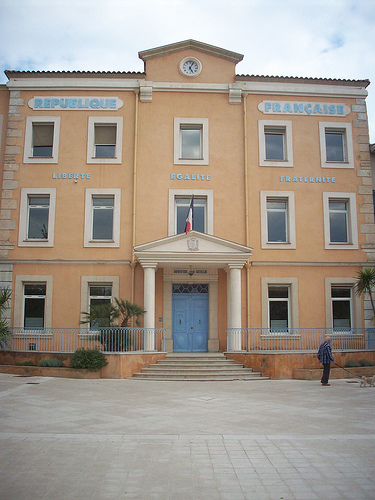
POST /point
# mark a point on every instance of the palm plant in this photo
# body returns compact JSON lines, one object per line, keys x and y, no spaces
{"x":5,"y":295}
{"x":364,"y":284}
{"x":128,"y":310}
{"x":103,"y":316}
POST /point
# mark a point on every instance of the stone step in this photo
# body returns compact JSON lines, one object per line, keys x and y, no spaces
{"x":198,"y":367}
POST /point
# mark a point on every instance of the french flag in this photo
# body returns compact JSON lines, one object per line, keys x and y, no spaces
{"x":189,"y":218}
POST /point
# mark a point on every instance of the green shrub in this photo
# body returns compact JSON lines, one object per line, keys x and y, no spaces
{"x":89,"y":359}
{"x":366,"y":362}
{"x":51,"y":362}
{"x":352,"y":364}
{"x":26,"y":363}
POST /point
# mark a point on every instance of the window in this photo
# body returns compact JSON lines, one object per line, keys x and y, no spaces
{"x":41,"y":139}
{"x":98,"y":290}
{"x":340,"y":221}
{"x":275,"y":143}
{"x":336,"y":145}
{"x":37,"y":217}
{"x":34,"y":305}
{"x":278,"y":307}
{"x":341,"y":307}
{"x":191,"y":141}
{"x":278,"y":219}
{"x":104,"y":143}
{"x":179,"y":203}
{"x":199,"y":214}
{"x":102,"y":217}
{"x":279,"y":303}
{"x":100,"y":294}
{"x":33,"y":302}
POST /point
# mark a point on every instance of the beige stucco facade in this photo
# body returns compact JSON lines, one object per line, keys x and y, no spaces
{"x":237,"y":255}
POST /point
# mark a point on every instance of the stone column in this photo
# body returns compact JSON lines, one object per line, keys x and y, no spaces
{"x":234,"y":309}
{"x":149,"y":305}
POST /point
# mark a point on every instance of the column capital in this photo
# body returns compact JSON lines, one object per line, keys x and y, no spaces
{"x":150,"y":265}
{"x":228,"y":267}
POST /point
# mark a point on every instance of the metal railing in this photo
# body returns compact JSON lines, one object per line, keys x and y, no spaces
{"x":295,"y":339}
{"x":107,"y":340}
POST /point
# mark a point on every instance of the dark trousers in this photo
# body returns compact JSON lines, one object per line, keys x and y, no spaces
{"x":325,"y":376}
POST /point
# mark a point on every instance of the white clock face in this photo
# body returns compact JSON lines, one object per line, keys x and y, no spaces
{"x":190,"y":66}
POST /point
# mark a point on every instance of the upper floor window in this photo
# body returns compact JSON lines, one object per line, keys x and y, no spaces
{"x":38,"y":211}
{"x":105,"y":141}
{"x":340,"y":221}
{"x":191,"y":141}
{"x":37,"y":217}
{"x":102,"y":217}
{"x":336,"y":147}
{"x":275,"y":143}
{"x":179,"y":203}
{"x":199,"y":213}
{"x":278,"y":219}
{"x":41,"y":139}
{"x":104,"y":144}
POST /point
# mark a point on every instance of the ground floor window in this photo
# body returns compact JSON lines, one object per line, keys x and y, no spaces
{"x":341,"y":297}
{"x":278,"y":306}
{"x":98,"y":295}
{"x":34,"y":305}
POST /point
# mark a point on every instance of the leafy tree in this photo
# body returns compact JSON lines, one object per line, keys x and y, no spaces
{"x":364,"y":284}
{"x":5,"y":334}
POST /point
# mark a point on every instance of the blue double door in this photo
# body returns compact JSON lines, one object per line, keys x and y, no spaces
{"x":190,"y":318}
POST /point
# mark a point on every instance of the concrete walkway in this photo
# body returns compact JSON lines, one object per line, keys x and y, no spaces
{"x":134,"y":439}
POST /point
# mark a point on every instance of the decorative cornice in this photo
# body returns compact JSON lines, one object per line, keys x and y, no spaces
{"x":164,"y":50}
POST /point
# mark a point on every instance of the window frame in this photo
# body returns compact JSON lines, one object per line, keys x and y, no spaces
{"x":88,"y":232}
{"x":356,"y":313}
{"x":87,"y":281}
{"x":350,"y":198}
{"x":287,"y":196}
{"x":283,"y":299}
{"x":28,"y":156}
{"x":23,"y":240}
{"x":201,"y":123}
{"x":285,"y":127}
{"x":104,"y":120}
{"x":346,"y":129}
{"x":187,"y":193}
{"x":19,"y":300}
{"x":293,"y":314}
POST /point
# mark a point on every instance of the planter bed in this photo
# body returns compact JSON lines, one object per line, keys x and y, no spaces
{"x":39,"y":371}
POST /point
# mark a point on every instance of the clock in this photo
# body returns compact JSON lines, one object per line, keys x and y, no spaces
{"x":190,"y":66}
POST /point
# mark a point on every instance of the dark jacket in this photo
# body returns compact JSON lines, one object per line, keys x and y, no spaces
{"x":325,"y":353}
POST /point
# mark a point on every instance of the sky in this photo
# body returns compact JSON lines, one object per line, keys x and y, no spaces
{"x":304,"y":38}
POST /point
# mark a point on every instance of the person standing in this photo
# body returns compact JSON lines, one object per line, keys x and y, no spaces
{"x":325,"y":357}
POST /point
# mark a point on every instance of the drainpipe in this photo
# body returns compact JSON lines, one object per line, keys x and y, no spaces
{"x":133,"y":260}
{"x":248,"y":264}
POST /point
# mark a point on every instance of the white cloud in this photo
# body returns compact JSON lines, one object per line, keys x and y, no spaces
{"x":320,"y":38}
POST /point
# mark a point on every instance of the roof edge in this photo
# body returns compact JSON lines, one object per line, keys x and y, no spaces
{"x":297,"y":79}
{"x":73,"y":74}
{"x":164,"y":50}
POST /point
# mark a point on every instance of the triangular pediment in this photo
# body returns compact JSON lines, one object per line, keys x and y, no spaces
{"x":197,"y":248}
{"x":192,"y":45}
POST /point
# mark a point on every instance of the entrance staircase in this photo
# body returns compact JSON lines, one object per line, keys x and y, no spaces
{"x":198,"y":367}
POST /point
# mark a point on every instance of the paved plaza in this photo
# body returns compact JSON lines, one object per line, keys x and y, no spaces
{"x":132,"y":439}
